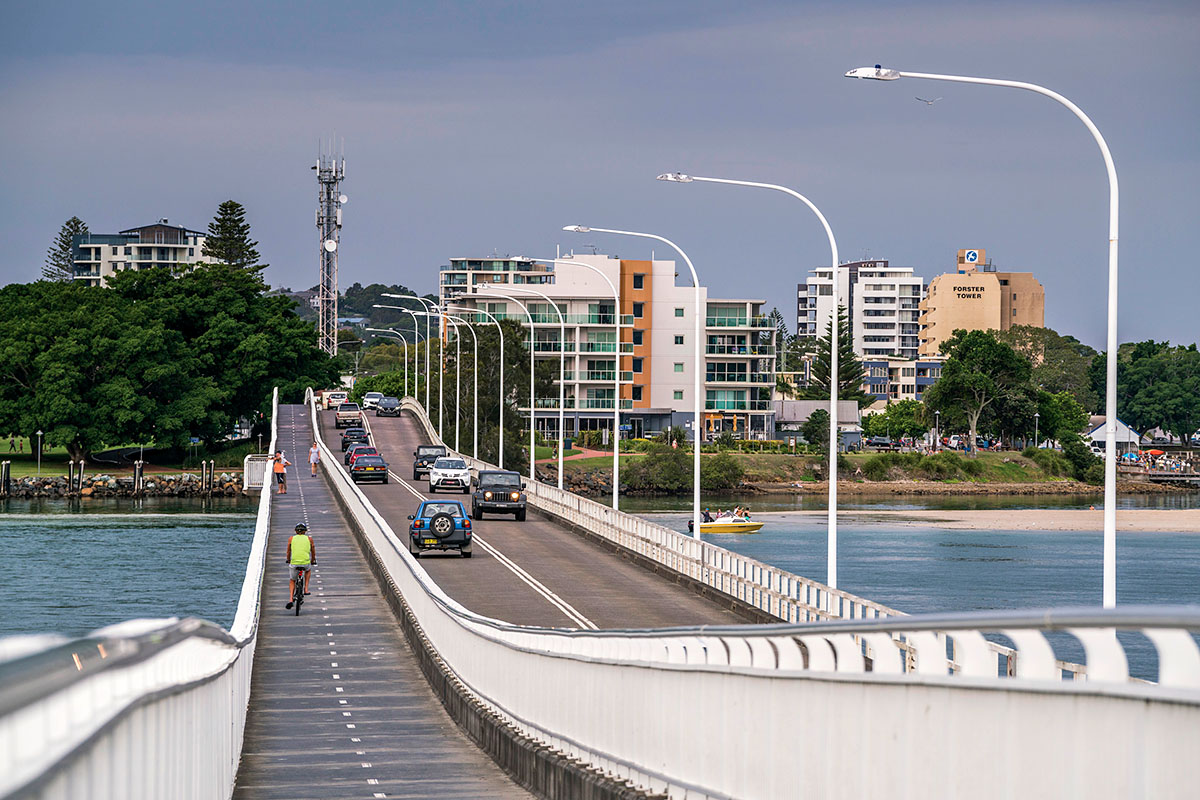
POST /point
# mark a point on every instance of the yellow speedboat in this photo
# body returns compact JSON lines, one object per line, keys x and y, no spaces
{"x":727,"y":525}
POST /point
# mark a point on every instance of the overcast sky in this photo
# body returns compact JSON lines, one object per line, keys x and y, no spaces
{"x":481,"y":127}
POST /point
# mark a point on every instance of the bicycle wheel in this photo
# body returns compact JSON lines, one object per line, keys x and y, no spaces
{"x":298,"y":595}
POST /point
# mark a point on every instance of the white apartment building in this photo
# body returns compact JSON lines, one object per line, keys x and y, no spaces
{"x":653,"y":334}
{"x":882,"y":303}
{"x":97,"y":256}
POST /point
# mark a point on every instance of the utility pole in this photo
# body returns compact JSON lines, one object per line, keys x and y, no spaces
{"x":331,"y":171}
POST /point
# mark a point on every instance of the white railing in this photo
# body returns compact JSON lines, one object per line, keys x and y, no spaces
{"x":144,"y":709}
{"x":254,"y":472}
{"x":845,"y":708}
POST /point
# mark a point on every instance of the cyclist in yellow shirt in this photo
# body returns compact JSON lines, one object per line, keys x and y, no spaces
{"x":301,"y":558}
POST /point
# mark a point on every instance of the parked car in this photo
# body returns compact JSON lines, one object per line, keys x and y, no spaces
{"x":347,"y":414}
{"x":371,"y":400}
{"x":439,"y":525}
{"x":369,"y":468}
{"x":498,"y":490}
{"x":354,"y":436}
{"x":449,"y":472}
{"x":388,"y":407}
{"x":882,"y":442}
{"x":333,"y":399}
{"x":356,"y":450}
{"x":425,"y":455}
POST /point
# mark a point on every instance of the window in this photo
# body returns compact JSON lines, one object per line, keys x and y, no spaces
{"x":637,"y":393}
{"x":678,"y":340}
{"x":1014,"y":312}
{"x":678,"y":366}
{"x":637,"y":365}
{"x":678,"y":394}
{"x":128,"y":251}
{"x":638,"y":308}
{"x":826,"y":291}
{"x":1014,"y":295}
{"x":637,"y":337}
{"x":639,"y":281}
{"x":114,"y":251}
{"x":679,"y":312}
{"x":191,"y":251}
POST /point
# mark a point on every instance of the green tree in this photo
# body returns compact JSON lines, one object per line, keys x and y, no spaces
{"x":1060,"y":416}
{"x":1060,"y":363}
{"x":228,"y":240}
{"x":242,"y":339}
{"x":816,"y":429}
{"x":899,"y":419}
{"x":60,"y":258}
{"x":90,"y":370}
{"x":850,"y":368}
{"x":1161,"y":388}
{"x":979,"y":371}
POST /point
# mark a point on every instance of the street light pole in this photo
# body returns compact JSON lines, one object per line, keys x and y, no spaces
{"x":499,"y":330}
{"x":39,"y":453}
{"x":475,"y":339}
{"x":562,"y":369}
{"x":698,"y":358}
{"x":834,"y":372}
{"x":532,"y":400}
{"x":937,"y":430}
{"x":427,"y":305}
{"x":1110,"y":400}
{"x":457,"y":381}
{"x":1037,"y":441}
{"x":616,"y":480}
{"x":405,"y":342}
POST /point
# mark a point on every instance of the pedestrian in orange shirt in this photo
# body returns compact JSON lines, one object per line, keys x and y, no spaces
{"x":281,"y":465}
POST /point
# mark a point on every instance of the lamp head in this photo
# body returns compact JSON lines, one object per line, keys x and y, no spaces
{"x":875,"y":73}
{"x":576,"y":228}
{"x":675,"y":177}
{"x":376,"y":305}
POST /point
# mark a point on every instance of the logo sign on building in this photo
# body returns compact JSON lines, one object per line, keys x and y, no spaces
{"x":971,"y":256}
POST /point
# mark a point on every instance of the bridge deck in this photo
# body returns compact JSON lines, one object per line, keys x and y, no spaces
{"x":525,"y":572}
{"x":339,"y":707}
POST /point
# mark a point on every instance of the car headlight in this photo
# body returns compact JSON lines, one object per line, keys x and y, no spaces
{"x":516,"y":495}
{"x":487,"y":495}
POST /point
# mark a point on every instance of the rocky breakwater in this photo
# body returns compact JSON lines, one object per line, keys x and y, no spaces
{"x":226,"y":484}
{"x":587,"y":484}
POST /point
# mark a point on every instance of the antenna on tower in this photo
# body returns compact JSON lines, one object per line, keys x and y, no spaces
{"x":331,"y":171}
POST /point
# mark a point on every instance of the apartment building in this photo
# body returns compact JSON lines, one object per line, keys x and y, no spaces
{"x":98,"y":256}
{"x":881,"y":302}
{"x":978,"y":297}
{"x":891,"y":379}
{"x":639,"y":357}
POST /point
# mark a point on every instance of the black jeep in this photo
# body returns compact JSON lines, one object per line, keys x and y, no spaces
{"x":498,"y":490}
{"x":424,"y":456}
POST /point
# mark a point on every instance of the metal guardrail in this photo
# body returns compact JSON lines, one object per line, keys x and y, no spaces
{"x":714,"y":711}
{"x":144,"y":709}
{"x":255,"y":468}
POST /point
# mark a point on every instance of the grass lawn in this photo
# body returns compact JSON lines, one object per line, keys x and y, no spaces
{"x":54,"y":461}
{"x":552,"y":452}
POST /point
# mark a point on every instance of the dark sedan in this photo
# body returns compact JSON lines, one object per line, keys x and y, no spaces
{"x":357,"y":450}
{"x":388,"y":407}
{"x":369,"y":468}
{"x":354,"y":436}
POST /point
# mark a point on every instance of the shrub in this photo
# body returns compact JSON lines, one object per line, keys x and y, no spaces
{"x":1051,"y":462}
{"x":942,"y":465}
{"x":1095,"y":474}
{"x":664,"y":469}
{"x":722,"y":471}
{"x":878,"y":468}
{"x":726,"y":441}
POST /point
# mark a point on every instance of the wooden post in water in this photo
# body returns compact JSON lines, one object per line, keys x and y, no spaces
{"x":70,"y":477}
{"x":5,"y":476}
{"x":137,"y":477}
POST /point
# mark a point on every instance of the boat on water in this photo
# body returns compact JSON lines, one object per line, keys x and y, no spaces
{"x":727,"y":525}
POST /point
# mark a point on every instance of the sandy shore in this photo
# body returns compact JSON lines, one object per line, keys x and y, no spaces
{"x":1026,"y":519}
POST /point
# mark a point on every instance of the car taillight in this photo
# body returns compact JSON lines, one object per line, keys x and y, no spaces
{"x":418,"y":523}
{"x":466,"y":524}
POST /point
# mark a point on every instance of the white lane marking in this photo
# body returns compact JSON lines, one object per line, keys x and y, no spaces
{"x":558,"y":602}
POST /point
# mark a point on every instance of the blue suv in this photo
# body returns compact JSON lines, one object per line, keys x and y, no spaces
{"x":439,"y":525}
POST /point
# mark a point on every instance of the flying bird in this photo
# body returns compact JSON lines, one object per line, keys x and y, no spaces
{"x":929,"y":102}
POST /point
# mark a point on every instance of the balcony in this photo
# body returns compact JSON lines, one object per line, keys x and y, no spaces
{"x":605,"y":347}
{"x":760,"y":378}
{"x":740,"y":349}
{"x":738,"y":322}
{"x":737,"y":405}
{"x":552,"y":347}
{"x":604,"y":375}
{"x":584,"y":403}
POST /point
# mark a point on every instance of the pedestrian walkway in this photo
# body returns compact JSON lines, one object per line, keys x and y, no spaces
{"x":339,"y":707}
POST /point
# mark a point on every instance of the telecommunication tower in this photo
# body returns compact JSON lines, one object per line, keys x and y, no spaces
{"x":331,"y":171}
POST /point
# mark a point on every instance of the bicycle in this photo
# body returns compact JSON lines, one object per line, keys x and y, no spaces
{"x":298,"y":591}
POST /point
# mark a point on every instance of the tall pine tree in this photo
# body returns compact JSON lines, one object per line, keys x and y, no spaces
{"x":60,"y":260}
{"x":850,"y":369}
{"x":228,"y":239}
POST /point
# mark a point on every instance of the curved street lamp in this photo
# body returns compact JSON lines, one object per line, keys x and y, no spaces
{"x":562,"y":368}
{"x":699,"y":363}
{"x":475,"y":372}
{"x":834,"y":374}
{"x":457,"y":380}
{"x":616,"y":479}
{"x":532,"y":401}
{"x":880,"y":73}
{"x":428,"y":305}
{"x":404,"y":342}
{"x":499,"y":330}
